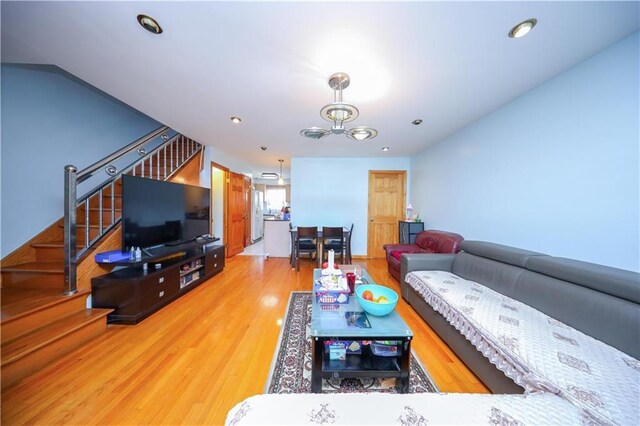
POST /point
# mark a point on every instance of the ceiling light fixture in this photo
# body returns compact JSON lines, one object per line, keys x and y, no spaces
{"x":269,"y":175}
{"x":338,"y":113}
{"x":280,"y":179}
{"x":385,"y":148}
{"x":416,"y":122}
{"x":523,"y":28}
{"x":236,"y":120}
{"x":149,"y":24}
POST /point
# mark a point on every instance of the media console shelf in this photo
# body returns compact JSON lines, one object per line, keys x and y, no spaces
{"x":134,"y":293}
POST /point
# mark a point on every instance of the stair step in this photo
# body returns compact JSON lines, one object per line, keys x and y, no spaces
{"x":94,"y":230}
{"x":51,"y":252}
{"x":24,"y":310}
{"x":42,"y":267}
{"x":34,"y":275}
{"x":31,"y":352}
{"x":94,"y":215}
{"x":106,"y":201}
{"x":54,"y":252}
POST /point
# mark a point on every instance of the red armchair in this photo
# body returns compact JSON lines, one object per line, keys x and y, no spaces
{"x":426,"y":242}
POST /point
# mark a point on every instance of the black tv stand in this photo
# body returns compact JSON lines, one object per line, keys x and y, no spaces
{"x":142,"y":287}
{"x":157,"y":253}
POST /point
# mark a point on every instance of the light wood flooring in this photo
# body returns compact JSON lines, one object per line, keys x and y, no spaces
{"x":192,"y":361}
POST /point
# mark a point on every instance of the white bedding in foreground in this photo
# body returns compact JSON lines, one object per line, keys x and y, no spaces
{"x":395,"y":409}
{"x":535,"y":350}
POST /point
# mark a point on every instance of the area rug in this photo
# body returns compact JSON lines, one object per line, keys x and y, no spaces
{"x":291,"y":366}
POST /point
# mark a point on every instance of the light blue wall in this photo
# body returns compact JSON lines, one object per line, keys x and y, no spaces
{"x":556,"y":170}
{"x":334,"y":192}
{"x":50,"y":119}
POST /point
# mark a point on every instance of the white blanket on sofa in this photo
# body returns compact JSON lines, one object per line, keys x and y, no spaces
{"x":409,"y":410}
{"x":535,"y":350}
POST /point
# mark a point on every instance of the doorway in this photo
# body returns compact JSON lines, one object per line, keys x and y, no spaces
{"x":387,"y":194}
{"x":219,"y":177}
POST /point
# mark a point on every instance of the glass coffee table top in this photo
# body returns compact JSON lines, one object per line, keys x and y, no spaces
{"x":346,"y":320}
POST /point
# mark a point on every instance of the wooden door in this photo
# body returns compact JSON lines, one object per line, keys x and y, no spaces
{"x":247,"y":211}
{"x":387,"y":193}
{"x":235,"y":234}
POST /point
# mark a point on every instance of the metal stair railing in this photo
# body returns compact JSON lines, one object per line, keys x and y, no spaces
{"x":169,"y":157}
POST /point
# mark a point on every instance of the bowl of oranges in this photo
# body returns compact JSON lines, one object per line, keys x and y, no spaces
{"x":376,"y":300}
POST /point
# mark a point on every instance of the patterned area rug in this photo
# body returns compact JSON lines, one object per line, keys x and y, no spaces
{"x":291,"y":366}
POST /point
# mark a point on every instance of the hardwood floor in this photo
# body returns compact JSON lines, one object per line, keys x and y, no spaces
{"x":192,"y":361}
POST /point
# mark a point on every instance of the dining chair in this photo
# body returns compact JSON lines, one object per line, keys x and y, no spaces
{"x":306,"y":243}
{"x":347,"y":246}
{"x":333,"y":239}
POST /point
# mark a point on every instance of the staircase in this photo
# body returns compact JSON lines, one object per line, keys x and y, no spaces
{"x":43,"y":313}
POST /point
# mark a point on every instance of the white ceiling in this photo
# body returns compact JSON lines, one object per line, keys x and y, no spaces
{"x":446,"y":63}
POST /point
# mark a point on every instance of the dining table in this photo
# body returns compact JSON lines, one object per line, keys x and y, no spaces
{"x":294,"y":234}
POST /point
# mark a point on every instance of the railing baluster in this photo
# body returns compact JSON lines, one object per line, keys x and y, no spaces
{"x":113,"y":201}
{"x":142,"y":167}
{"x":172,"y":154}
{"x":100,"y":209}
{"x":164,"y":155}
{"x":86,"y":222}
{"x":182,"y":162}
{"x":158,"y":161}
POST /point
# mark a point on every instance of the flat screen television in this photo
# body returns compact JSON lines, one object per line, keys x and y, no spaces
{"x":157,"y":213}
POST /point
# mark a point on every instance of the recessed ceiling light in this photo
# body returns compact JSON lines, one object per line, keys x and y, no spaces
{"x":385,"y":148}
{"x":264,"y":148}
{"x":523,"y":28}
{"x":236,"y":120}
{"x":416,"y":122}
{"x":149,"y":24}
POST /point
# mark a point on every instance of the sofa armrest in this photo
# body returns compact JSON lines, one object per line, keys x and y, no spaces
{"x":402,"y":248}
{"x":424,"y":262}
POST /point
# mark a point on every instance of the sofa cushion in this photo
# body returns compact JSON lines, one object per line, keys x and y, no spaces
{"x":605,"y":317}
{"x":511,"y":255}
{"x":617,"y":282}
{"x":496,"y":275}
{"x":406,"y":409}
{"x":397,"y":254}
{"x":535,"y":350}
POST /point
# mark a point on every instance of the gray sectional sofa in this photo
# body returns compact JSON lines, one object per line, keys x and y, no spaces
{"x":600,"y":301}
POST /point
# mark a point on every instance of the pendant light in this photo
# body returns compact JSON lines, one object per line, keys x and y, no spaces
{"x":280,"y":179}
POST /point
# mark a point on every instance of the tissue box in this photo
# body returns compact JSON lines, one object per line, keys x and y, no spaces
{"x":337,"y":351}
{"x":350,"y":346}
{"x":337,"y":296}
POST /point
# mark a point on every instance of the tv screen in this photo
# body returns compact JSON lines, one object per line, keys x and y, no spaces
{"x":156,"y":213}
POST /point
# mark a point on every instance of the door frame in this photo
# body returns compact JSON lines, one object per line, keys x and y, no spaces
{"x":225,"y":203}
{"x":248,"y":224}
{"x":403,"y":173}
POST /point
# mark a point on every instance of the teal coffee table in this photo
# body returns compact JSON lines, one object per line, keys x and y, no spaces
{"x":334,"y":329}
